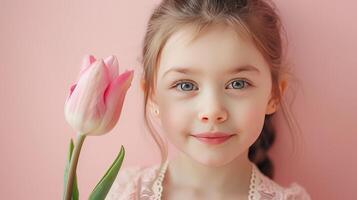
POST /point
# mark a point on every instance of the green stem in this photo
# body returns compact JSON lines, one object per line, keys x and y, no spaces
{"x":73,"y":165}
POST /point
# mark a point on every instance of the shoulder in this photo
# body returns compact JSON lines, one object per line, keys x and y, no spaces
{"x":131,"y":182}
{"x":266,"y":188}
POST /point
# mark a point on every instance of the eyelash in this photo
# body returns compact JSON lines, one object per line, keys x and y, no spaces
{"x":247,"y":84}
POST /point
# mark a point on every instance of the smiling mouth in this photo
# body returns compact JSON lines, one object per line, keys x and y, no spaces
{"x":214,"y":140}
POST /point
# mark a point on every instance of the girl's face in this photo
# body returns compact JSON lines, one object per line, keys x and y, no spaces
{"x":200,"y":88}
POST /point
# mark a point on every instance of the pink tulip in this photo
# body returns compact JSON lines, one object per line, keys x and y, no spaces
{"x":95,"y":102}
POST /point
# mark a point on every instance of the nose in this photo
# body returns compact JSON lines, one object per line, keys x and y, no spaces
{"x":213,"y":112}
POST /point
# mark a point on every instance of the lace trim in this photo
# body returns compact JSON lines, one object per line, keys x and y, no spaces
{"x":146,"y":184}
{"x":157,"y":186}
{"x":252,"y":186}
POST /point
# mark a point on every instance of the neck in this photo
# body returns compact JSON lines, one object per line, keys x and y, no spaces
{"x":234,"y":177}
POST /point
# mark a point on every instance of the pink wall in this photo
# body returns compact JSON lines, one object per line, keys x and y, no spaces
{"x":41,"y":47}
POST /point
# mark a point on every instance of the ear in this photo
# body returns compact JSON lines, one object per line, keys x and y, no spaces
{"x":273,"y":102}
{"x":152,"y":103}
{"x":154,"y":109}
{"x":142,"y":84}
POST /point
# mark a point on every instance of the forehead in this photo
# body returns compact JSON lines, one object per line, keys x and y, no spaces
{"x":219,"y":48}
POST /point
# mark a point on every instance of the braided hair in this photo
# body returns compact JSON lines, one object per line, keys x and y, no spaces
{"x":258,"y":150}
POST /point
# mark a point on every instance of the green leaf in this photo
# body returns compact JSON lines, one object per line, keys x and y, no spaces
{"x":75,"y":193}
{"x":102,"y":188}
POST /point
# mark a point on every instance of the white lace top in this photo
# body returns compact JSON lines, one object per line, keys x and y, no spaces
{"x":145,"y":183}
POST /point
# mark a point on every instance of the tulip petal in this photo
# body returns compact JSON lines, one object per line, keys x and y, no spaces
{"x":102,"y":188}
{"x":113,"y":66}
{"x":86,"y":63}
{"x":71,"y":89}
{"x":85,"y":108}
{"x":114,"y":97}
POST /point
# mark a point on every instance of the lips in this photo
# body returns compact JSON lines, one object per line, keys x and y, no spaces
{"x":213,"y":138}
{"x":213,"y":135}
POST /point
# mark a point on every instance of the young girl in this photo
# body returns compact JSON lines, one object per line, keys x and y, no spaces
{"x":213,"y":77}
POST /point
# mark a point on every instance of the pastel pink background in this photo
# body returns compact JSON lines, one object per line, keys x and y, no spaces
{"x":43,"y":42}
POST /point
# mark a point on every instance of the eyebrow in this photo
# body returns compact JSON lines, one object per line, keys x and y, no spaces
{"x":235,"y":70}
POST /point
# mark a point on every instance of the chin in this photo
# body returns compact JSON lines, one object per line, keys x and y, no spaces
{"x":213,"y":162}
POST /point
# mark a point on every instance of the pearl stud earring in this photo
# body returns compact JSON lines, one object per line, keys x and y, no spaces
{"x":156,"y":111}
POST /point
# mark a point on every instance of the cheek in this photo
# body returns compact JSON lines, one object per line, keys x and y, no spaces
{"x":255,"y":120}
{"x":174,"y":118}
{"x":250,"y":119}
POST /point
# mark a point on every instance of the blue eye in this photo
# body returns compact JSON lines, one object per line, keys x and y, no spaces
{"x":184,"y":85}
{"x":188,"y":86}
{"x":241,"y":84}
